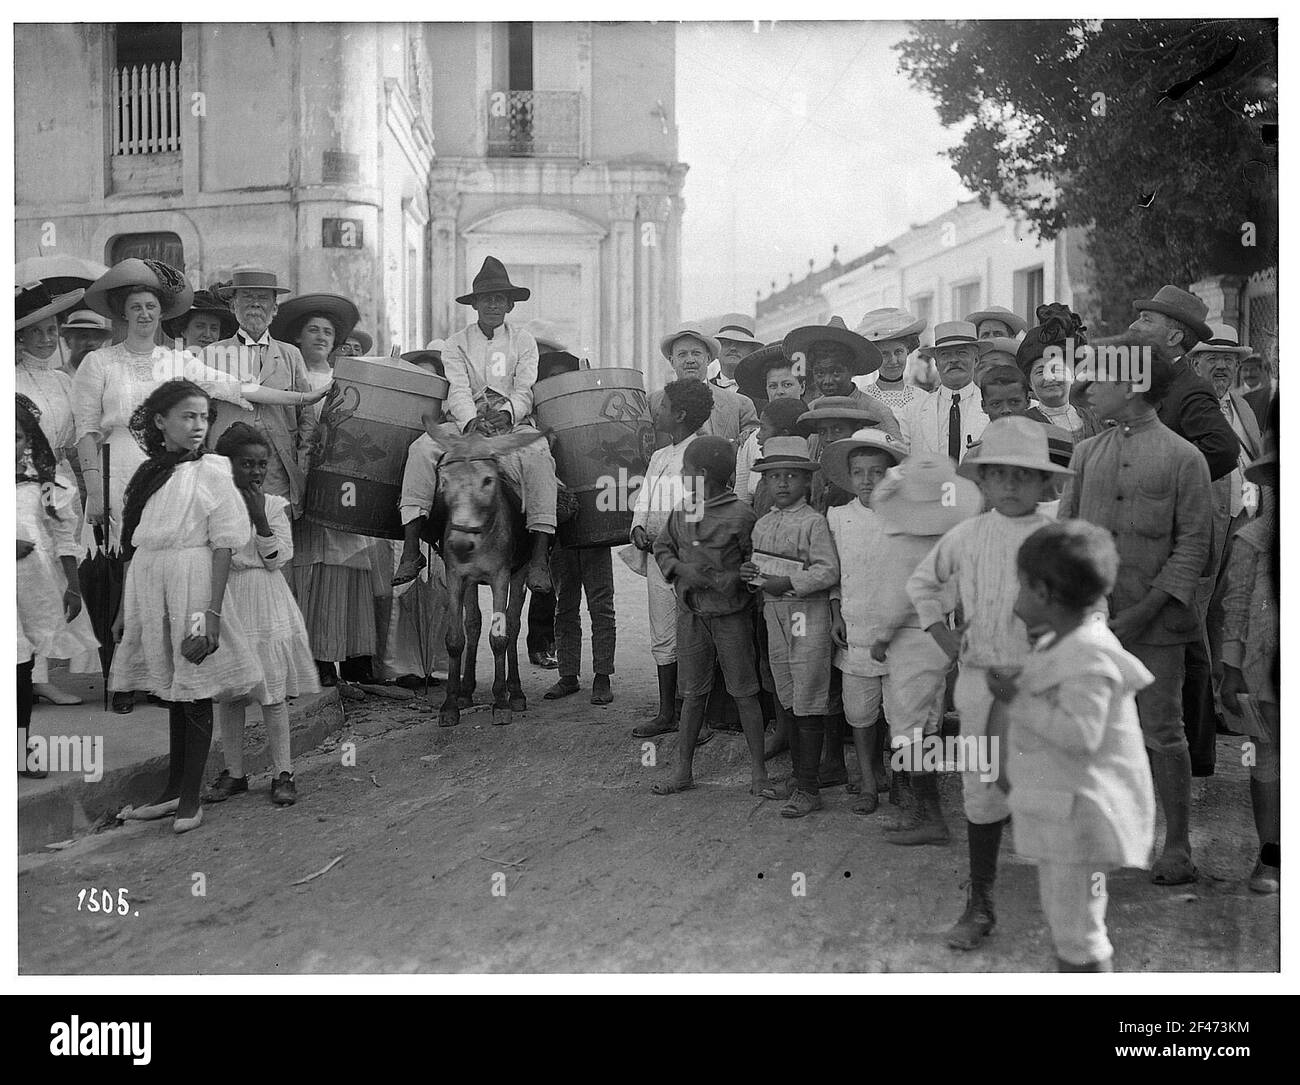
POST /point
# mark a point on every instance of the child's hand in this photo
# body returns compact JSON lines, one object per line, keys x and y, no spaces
{"x":879,"y":650}
{"x":25,"y":547}
{"x":1232,"y":687}
{"x":71,"y":604}
{"x":839,"y":632}
{"x":947,"y":639}
{"x":1002,"y":682}
{"x":640,"y":539}
{"x":748,"y":571}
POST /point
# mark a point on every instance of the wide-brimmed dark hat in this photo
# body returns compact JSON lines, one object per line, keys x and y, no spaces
{"x":866,"y":356}
{"x":177,"y":295}
{"x":251,"y":278}
{"x":205,"y":301}
{"x":493,"y":279}
{"x":293,"y":313}
{"x":751,"y":373}
{"x":33,"y":303}
{"x":828,"y":408}
{"x":1182,"y":305}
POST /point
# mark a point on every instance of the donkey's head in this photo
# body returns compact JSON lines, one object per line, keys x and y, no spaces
{"x":470,"y":481}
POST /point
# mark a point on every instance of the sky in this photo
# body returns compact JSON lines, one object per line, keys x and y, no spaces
{"x":799,"y":137}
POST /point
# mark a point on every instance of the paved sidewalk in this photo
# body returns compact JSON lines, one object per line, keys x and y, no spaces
{"x":134,"y":755}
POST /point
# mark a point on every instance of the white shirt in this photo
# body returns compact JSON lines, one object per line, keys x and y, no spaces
{"x":714,"y":376}
{"x":924,"y":421}
{"x":500,"y":371}
{"x":662,"y":490}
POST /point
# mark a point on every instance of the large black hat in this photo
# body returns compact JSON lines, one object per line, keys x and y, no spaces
{"x":205,"y":301}
{"x":293,"y":313}
{"x":493,"y":279}
{"x":751,"y":373}
{"x":33,"y":302}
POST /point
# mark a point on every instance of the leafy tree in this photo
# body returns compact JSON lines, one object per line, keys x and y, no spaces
{"x":1159,"y":135}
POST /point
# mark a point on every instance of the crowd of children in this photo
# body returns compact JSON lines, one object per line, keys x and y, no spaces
{"x":1039,"y":580}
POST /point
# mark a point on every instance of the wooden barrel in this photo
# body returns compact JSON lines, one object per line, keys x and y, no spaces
{"x":603,"y":440}
{"x":368,"y":421}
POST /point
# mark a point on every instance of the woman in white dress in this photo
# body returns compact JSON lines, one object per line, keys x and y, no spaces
{"x":182,"y":521}
{"x":40,"y":377}
{"x":112,"y":383}
{"x":337,"y":576}
{"x":51,"y":621}
{"x":258,"y":592}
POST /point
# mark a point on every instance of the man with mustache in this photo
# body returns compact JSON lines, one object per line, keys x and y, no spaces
{"x":689,"y":352}
{"x":950,"y":419}
{"x":1216,"y":361}
{"x":252,"y":355}
{"x":736,"y":342}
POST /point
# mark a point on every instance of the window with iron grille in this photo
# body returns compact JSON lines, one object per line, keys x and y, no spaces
{"x":144,"y":88}
{"x":162,"y":246}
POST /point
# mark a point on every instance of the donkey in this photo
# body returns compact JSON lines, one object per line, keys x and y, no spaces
{"x":479,"y":527}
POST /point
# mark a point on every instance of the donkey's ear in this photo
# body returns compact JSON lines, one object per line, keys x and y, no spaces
{"x":510,"y":442}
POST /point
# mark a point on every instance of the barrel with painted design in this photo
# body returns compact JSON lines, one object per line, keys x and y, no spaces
{"x":373,"y":413}
{"x":603,"y":440}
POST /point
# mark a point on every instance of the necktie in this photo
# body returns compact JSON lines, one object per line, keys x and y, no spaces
{"x":954,"y":427}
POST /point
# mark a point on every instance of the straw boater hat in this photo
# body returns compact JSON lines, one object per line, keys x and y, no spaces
{"x":293,"y":313}
{"x":86,"y":320}
{"x":33,"y":303}
{"x":785,"y":452}
{"x":866,"y":358}
{"x":924,"y":495}
{"x":1012,"y":442}
{"x":666,"y":343}
{"x":751,"y":373}
{"x":1000,"y":343}
{"x":880,"y":325}
{"x":205,"y":301}
{"x":737,"y":328}
{"x":429,"y":358}
{"x":1223,"y":341}
{"x":1014,"y":321}
{"x":492,"y":278}
{"x":251,"y":278}
{"x":1182,"y":306}
{"x":835,"y":459}
{"x":951,"y":333}
{"x":846,"y":407}
{"x":176,"y":293}
{"x":364,"y":338}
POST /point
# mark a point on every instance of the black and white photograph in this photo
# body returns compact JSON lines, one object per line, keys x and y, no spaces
{"x":670,"y":497}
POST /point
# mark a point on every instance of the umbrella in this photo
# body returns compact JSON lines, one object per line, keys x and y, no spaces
{"x":101,"y":586}
{"x":59,"y":273}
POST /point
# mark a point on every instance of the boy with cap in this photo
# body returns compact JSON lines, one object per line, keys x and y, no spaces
{"x":701,"y":551}
{"x":1012,"y":466}
{"x":794,"y":566}
{"x":914,"y":506}
{"x":856,"y":465}
{"x":491,"y":366}
{"x":678,"y":415}
{"x":834,"y":418}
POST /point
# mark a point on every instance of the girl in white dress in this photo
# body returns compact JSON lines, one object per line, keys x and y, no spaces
{"x":112,"y":383}
{"x":258,"y":592}
{"x":51,"y":622}
{"x":182,"y":521}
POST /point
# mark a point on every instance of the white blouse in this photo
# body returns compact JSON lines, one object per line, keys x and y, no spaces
{"x":46,"y":384}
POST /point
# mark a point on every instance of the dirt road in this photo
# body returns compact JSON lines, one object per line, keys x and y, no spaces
{"x":539,"y":848}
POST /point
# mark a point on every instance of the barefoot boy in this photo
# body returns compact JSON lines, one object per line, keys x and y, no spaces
{"x":700,"y":552}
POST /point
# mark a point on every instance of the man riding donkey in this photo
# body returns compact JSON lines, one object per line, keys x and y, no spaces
{"x":490,"y":367}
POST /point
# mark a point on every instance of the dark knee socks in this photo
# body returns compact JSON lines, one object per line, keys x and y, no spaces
{"x":812,"y":734}
{"x":197,"y":723}
{"x":984,"y":841}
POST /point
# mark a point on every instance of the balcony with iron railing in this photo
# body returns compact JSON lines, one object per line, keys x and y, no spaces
{"x":534,"y":123}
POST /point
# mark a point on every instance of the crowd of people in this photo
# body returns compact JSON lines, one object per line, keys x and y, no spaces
{"x":969,"y":539}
